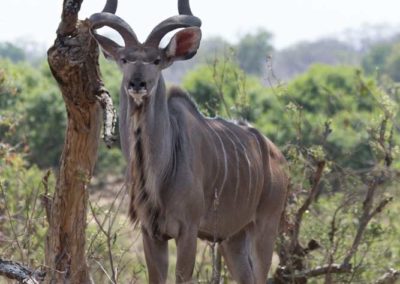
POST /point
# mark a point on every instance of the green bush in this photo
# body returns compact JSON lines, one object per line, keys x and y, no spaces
{"x":222,"y":88}
{"x":33,"y":100}
{"x":329,"y":113}
{"x":22,"y":218}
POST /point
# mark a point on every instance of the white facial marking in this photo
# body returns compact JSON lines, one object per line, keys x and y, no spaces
{"x":137,"y":96}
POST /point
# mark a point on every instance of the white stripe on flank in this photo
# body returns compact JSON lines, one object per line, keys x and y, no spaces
{"x":225,"y":156}
{"x":237,"y":163}
{"x":247,"y":159}
{"x":216,"y":154}
{"x":259,"y":149}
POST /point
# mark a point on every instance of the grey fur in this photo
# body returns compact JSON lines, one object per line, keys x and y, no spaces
{"x":190,"y":176}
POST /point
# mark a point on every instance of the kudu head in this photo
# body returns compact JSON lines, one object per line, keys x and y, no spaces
{"x":142,"y":63}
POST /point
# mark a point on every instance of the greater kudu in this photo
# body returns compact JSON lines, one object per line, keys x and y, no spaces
{"x":190,"y":176}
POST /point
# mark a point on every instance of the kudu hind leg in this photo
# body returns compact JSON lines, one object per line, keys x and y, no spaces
{"x":156,"y":254}
{"x":264,"y":237}
{"x":186,"y":245}
{"x":237,"y":252}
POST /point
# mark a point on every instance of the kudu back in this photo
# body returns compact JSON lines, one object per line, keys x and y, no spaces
{"x":190,"y":176}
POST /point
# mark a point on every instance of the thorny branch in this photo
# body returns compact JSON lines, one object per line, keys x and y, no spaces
{"x":107,"y":231}
{"x":293,"y":255}
{"x":3,"y":193}
{"x":310,"y":198}
{"x":321,"y":270}
{"x":107,"y":234}
{"x":368,"y":211}
{"x":219,"y":80}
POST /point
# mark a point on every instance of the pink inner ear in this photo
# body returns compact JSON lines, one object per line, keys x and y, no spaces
{"x":185,"y":42}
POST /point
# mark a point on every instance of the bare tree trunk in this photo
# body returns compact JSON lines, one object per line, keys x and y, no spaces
{"x":73,"y":60}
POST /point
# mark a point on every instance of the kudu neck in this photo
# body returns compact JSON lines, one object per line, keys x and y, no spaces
{"x":154,"y":131}
{"x":153,"y":119}
{"x":155,"y":113}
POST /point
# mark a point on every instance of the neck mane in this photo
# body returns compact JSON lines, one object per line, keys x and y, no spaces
{"x":153,"y":155}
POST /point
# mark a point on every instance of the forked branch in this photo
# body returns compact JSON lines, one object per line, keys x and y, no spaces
{"x":293,"y":254}
{"x":306,"y":205}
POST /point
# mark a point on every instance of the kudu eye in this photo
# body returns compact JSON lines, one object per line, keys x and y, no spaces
{"x":124,"y":61}
{"x":157,"y":61}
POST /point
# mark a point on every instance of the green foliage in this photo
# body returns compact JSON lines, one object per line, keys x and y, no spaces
{"x":373,"y":257}
{"x":112,"y":78}
{"x":223,"y":89}
{"x":31,"y":97}
{"x":328,"y":113}
{"x":35,"y":102}
{"x":252,"y":51}
{"x":205,"y":94}
{"x":383,"y":60}
{"x":376,"y":58}
{"x":22,"y":218}
{"x":330,"y":99}
{"x":23,"y":224}
{"x":324,"y":99}
{"x":332,"y":114}
{"x":110,"y":162}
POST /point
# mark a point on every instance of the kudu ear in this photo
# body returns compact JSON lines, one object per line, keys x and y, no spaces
{"x":184,"y":44}
{"x":108,"y":46}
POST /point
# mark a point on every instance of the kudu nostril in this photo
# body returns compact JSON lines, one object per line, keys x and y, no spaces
{"x":137,"y":85}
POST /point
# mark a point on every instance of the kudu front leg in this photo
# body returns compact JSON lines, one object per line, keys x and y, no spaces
{"x":156,"y":254}
{"x":186,"y":255}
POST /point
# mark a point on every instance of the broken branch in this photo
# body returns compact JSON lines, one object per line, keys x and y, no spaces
{"x":16,"y":271}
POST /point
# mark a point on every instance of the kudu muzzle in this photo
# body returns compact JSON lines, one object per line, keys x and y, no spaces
{"x":137,"y":89}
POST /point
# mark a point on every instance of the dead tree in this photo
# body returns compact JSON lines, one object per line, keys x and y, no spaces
{"x":73,"y":60}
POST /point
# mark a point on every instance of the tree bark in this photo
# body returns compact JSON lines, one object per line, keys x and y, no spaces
{"x":73,"y":60}
{"x":16,"y":271}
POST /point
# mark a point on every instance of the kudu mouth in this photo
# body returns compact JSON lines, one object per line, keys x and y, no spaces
{"x":138,"y":95}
